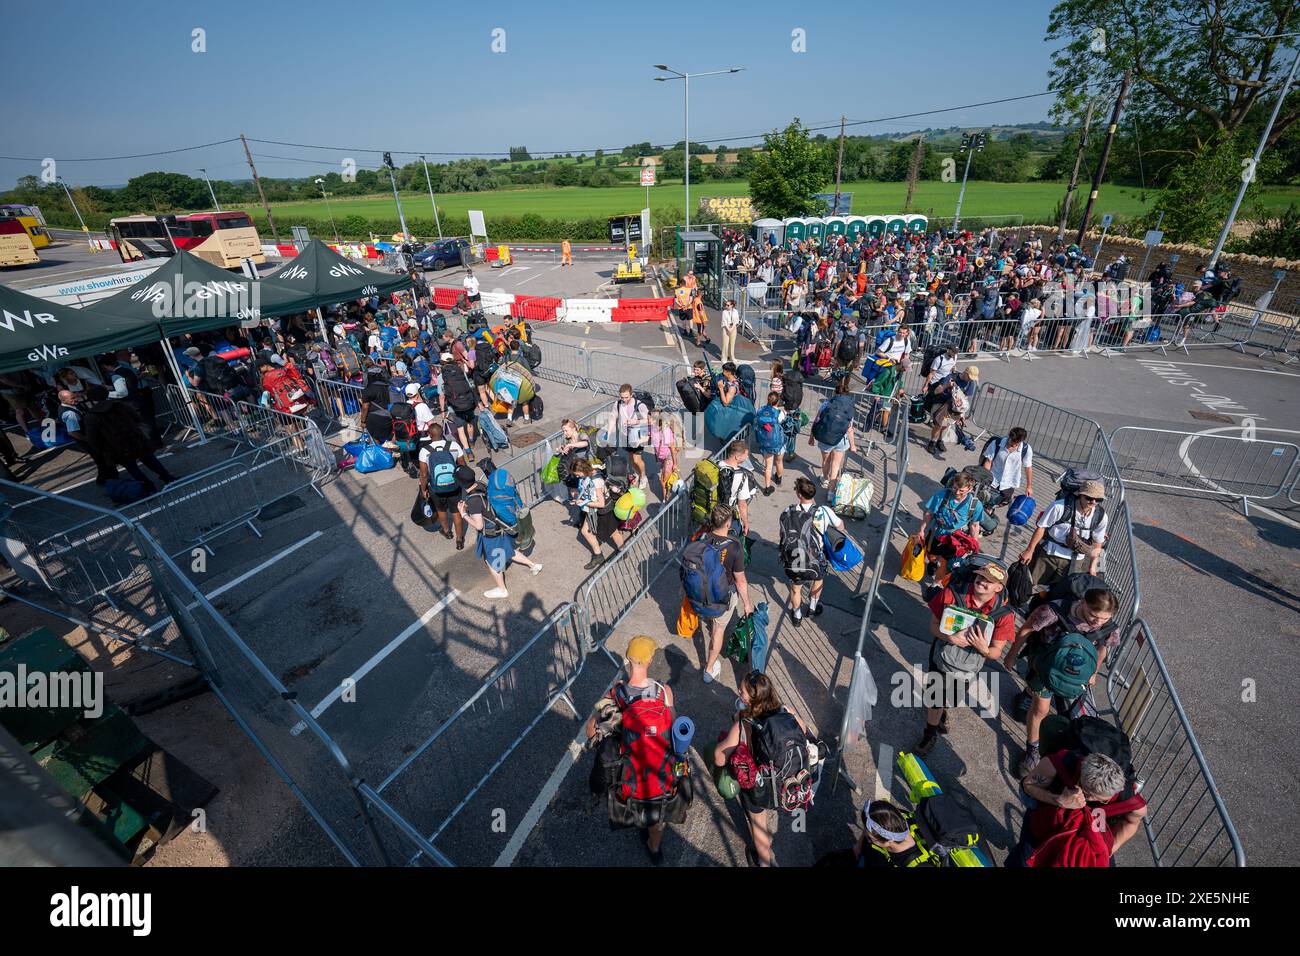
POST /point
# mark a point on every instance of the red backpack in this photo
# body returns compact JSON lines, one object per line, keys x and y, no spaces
{"x":287,"y":391}
{"x":648,"y":772}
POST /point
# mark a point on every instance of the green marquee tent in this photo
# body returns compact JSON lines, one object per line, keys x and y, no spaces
{"x":320,"y":276}
{"x":35,"y":332}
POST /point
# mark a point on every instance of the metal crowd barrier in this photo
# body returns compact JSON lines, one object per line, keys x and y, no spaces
{"x":339,"y":403}
{"x":1187,"y":823}
{"x":425,"y":792}
{"x":1252,"y":469}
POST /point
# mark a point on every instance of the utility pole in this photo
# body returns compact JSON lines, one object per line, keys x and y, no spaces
{"x":1105,"y":154}
{"x":270,"y":220}
{"x":913,"y":171}
{"x":839,"y":162}
{"x":1074,"y":176}
{"x":970,"y":144}
{"x":211,"y":192}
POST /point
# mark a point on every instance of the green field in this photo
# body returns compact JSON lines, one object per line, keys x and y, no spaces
{"x":1033,"y":201}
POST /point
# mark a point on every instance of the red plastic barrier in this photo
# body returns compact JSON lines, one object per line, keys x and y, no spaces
{"x":444,"y":297}
{"x":535,"y":308}
{"x":490,"y":254}
{"x":641,"y":310}
{"x":288,"y":251}
{"x":373,"y":253}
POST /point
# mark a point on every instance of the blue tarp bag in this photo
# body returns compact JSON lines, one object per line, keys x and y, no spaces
{"x":1021,"y":510}
{"x":842,"y":551}
{"x":372,"y":457}
{"x":759,"y":648}
{"x":723,"y":421}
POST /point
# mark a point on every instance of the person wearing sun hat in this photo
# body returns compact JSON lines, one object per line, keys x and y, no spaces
{"x":631,"y":700}
{"x":957,"y":654}
{"x":1070,"y":536}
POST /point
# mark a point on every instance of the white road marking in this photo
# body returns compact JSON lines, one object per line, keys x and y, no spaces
{"x":1183,"y":453}
{"x":1231,"y":368}
{"x":529,"y":279}
{"x":548,"y":791}
{"x":243,"y":577}
{"x":884,"y":771}
{"x":378,"y":658}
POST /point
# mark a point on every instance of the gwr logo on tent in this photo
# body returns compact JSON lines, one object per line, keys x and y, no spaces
{"x":369,"y":290}
{"x":151,"y":293}
{"x":293,"y":272}
{"x":47,"y":353}
{"x":341,"y":269}
{"x":27,"y":318}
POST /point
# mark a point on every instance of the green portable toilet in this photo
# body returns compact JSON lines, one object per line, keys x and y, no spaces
{"x":894,"y":225}
{"x":875,"y":226}
{"x":856,"y":226}
{"x":836,"y":226}
{"x":796,"y":230}
{"x":817,"y":229}
{"x":917,"y":224}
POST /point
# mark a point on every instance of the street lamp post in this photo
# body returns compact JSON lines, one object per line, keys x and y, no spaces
{"x":429,"y":182}
{"x":211,"y":192}
{"x":686,"y":133}
{"x":73,"y":203}
{"x":392,"y":175}
{"x":971,"y":143}
{"x":1248,"y":176}
{"x":326,"y":196}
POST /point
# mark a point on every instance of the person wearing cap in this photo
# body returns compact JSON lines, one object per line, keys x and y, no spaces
{"x":956,"y":658}
{"x":1070,"y":536}
{"x":424,"y":416}
{"x":955,"y":397}
{"x":471,"y":289}
{"x":494,"y":546}
{"x":607,"y":717}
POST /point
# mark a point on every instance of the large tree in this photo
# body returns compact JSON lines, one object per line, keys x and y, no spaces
{"x":789,"y":173}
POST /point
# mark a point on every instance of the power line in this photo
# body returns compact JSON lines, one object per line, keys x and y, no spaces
{"x":108,"y":159}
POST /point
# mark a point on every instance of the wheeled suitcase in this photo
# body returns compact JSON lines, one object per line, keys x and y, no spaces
{"x":852,"y":496}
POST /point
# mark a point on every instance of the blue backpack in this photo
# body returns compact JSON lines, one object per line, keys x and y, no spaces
{"x":387,"y":337}
{"x":834,"y":420}
{"x":421,"y":371}
{"x":397,"y":389}
{"x":503,"y":498}
{"x":442,"y":469}
{"x":704,"y":579}
{"x":769,"y":437}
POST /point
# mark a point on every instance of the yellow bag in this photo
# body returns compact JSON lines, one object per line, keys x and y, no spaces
{"x":913,"y":568}
{"x":687,"y":621}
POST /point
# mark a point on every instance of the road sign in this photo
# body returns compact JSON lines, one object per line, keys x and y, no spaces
{"x":1105,"y":220}
{"x":1153,"y":237}
{"x":647,"y":175}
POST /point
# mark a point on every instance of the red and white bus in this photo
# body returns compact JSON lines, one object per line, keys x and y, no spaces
{"x":222,"y":238}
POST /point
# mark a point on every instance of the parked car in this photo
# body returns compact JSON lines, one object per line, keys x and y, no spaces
{"x":441,"y":254}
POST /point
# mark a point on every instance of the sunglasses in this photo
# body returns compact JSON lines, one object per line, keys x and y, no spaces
{"x":1088,"y":498}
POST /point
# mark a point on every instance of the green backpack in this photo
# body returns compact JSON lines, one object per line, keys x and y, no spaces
{"x":704,"y":491}
{"x":1066,"y":665}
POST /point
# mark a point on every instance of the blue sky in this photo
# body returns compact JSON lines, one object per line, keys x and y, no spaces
{"x":94,"y":80}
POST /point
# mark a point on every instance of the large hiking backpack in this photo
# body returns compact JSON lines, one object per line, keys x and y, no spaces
{"x":1092,"y":735}
{"x":286,"y":393}
{"x":647,"y":745}
{"x":801,"y":551}
{"x":769,"y":437}
{"x":347,"y":361}
{"x":691,"y":399}
{"x":704,"y":491}
{"x":218,"y":375}
{"x":503,"y":498}
{"x":946,"y":825}
{"x":704,"y":578}
{"x":745,"y":378}
{"x":781,"y":751}
{"x":460,"y":393}
{"x":1073,"y":480}
{"x":931,"y":353}
{"x":442,"y":468}
{"x":1066,"y":665}
{"x":792,"y":390}
{"x":983,"y":491}
{"x":834,"y":421}
{"x":532,"y":353}
{"x":849,"y":349}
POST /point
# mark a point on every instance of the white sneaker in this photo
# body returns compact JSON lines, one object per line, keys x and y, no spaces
{"x":711,"y":674}
{"x":496,"y":594}
{"x":537,"y":569}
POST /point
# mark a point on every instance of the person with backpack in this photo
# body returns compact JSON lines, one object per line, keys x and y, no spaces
{"x":713,"y":579}
{"x":667,"y":440}
{"x":849,"y":345}
{"x":770,"y":439}
{"x":1083,"y":811}
{"x":1070,"y":535}
{"x":114,"y":429}
{"x":1092,"y":617}
{"x":632,"y":420}
{"x":461,"y":396}
{"x":1009,"y":460}
{"x":439,"y":459}
{"x":637,"y":763}
{"x":496,"y":539}
{"x":832,"y":431}
{"x":597,"y":510}
{"x":127,"y":387}
{"x":889,"y":839}
{"x":802,"y":545}
{"x":957,"y":656}
{"x":766,"y":748}
{"x":952,"y":405}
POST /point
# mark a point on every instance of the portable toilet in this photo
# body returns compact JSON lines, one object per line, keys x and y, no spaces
{"x":817,"y":228}
{"x":855,"y":227}
{"x":918,"y":224}
{"x":875,"y":226}
{"x":836,"y":226}
{"x":796,"y":230}
{"x":762,"y":228}
{"x":894,"y":225}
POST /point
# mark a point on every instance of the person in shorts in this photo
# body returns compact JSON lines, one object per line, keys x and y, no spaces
{"x":823,"y":518}
{"x":494,"y":547}
{"x":598,"y":522}
{"x":632,"y":419}
{"x":758,"y":699}
{"x":444,"y":503}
